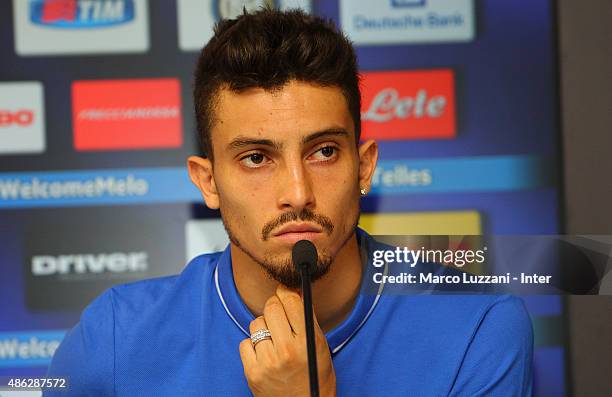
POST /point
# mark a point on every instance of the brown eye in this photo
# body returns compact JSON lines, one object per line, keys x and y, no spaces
{"x":256,"y":158}
{"x":327,"y":151}
{"x":325,"y":154}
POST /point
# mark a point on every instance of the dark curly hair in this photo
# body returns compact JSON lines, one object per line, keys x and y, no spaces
{"x":267,"y":49}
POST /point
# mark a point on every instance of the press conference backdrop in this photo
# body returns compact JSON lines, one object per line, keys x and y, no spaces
{"x":96,"y":121}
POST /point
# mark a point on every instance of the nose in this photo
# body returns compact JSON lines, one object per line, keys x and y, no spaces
{"x":295,"y":187}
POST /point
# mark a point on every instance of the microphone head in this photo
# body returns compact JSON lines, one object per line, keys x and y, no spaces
{"x":304,"y":253}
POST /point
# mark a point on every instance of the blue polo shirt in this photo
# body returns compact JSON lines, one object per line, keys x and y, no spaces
{"x":179,"y":336}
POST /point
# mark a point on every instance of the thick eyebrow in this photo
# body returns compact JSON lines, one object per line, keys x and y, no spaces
{"x":243,"y":141}
{"x":327,"y":132}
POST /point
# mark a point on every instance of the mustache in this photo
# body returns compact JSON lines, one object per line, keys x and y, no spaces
{"x":304,"y":215}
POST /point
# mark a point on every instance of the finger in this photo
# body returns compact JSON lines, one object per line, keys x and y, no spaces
{"x":247,"y":355}
{"x":317,"y":328}
{"x":264,"y":348}
{"x":294,"y":308}
{"x":320,"y":338}
{"x":277,"y":322}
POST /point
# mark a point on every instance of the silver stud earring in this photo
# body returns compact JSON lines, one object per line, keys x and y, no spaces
{"x":363,"y":191}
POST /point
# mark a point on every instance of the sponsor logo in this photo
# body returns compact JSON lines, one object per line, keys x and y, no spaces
{"x":204,"y":236}
{"x":196,"y":18}
{"x":423,"y":223}
{"x":172,"y":185}
{"x":24,"y":349}
{"x":407,"y":21}
{"x":37,"y":189}
{"x":116,"y":262}
{"x":69,"y":260}
{"x":20,"y":117}
{"x":462,"y":174}
{"x":408,"y":105}
{"x":149,"y":117}
{"x":228,"y":9}
{"x":78,"y":14}
{"x":401,"y":175}
{"x":22,"y":127}
{"x":96,"y":187}
{"x":45,"y":27}
{"x":407,"y":3}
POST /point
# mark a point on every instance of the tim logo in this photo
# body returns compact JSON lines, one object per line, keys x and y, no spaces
{"x":81,"y":14}
{"x":408,"y":105}
{"x":407,"y":3}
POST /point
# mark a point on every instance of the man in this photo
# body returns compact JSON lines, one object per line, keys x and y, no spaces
{"x":278,"y":110}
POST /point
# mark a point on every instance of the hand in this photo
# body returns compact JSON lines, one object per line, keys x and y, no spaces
{"x":279,"y":367}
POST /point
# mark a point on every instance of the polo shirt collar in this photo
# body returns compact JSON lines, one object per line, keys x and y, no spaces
{"x":338,"y":336}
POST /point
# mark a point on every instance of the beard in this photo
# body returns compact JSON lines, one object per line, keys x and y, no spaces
{"x":280,"y":267}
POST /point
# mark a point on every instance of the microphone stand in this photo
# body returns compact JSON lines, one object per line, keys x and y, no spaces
{"x":310,"y":337}
{"x":304,"y":257}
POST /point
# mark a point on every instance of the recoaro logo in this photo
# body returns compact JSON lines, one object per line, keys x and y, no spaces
{"x":20,"y":117}
{"x":116,"y":262}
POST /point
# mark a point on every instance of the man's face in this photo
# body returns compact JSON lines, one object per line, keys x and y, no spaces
{"x":286,"y":168}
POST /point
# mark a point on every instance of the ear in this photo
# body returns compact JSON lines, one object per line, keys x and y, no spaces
{"x":368,"y":156}
{"x":201,"y":174}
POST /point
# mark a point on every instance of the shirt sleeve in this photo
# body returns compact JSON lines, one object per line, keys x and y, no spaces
{"x":86,"y":355}
{"x":499,"y":359}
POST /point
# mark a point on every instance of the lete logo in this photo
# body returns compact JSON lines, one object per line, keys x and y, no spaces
{"x":22,"y":118}
{"x":408,"y":105}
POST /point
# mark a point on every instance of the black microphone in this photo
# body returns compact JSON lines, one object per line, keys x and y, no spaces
{"x":304,"y":255}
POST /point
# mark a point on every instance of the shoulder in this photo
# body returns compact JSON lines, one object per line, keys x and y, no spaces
{"x":504,"y":314}
{"x":459,"y":319}
{"x":506,"y":319}
{"x":140,"y":301}
{"x":455,"y":305}
{"x":139,"y":295}
{"x":500,"y":307}
{"x":485,"y":342}
{"x":120,"y":318}
{"x":499,"y":357}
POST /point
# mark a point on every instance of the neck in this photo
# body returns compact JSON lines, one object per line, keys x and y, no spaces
{"x":333,"y":295}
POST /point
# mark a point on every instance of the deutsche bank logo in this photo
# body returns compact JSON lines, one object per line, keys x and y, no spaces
{"x":369,"y":22}
{"x":407,"y":3}
{"x":81,"y":14}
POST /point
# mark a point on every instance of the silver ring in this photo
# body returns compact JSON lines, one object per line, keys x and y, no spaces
{"x":259,"y":335}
